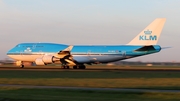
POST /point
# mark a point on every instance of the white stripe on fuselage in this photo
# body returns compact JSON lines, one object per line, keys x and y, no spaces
{"x":80,"y":58}
{"x":27,"y":58}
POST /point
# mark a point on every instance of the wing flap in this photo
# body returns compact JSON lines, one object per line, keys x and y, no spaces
{"x":70,"y":62}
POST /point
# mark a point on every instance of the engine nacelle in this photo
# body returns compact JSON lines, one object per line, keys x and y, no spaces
{"x":46,"y":59}
{"x":39,"y":61}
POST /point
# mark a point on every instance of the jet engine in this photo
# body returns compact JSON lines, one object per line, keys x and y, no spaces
{"x":46,"y":59}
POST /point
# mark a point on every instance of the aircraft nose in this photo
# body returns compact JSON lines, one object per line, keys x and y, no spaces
{"x":10,"y":53}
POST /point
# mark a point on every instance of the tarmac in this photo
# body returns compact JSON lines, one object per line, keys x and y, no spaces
{"x":92,"y":68}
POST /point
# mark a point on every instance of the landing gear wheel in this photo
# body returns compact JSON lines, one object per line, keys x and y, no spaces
{"x":74,"y":67}
{"x":22,"y":66}
{"x":82,"y":67}
{"x":65,"y":67}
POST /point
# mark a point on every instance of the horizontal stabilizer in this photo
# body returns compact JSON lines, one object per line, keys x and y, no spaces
{"x":146,"y":48}
{"x":165,"y":47}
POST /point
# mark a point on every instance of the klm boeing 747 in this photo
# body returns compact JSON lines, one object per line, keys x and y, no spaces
{"x":78,"y":55}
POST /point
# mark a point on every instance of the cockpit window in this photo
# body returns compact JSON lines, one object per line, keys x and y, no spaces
{"x":17,"y":45}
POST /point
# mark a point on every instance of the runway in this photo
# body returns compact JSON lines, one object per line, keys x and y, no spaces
{"x":92,"y":89}
{"x":92,"y":68}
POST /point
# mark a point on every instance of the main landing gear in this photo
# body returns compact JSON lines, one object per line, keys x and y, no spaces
{"x":65,"y":67}
{"x":75,"y":67}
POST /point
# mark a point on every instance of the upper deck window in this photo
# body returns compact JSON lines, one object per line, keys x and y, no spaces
{"x":39,"y":46}
{"x":30,"y":46}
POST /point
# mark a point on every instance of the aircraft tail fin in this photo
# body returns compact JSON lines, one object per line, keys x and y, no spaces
{"x":150,"y":35}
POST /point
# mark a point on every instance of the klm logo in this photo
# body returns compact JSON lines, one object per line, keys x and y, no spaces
{"x":147,"y":36}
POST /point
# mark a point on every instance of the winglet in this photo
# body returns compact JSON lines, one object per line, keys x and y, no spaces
{"x":150,"y":35}
{"x":68,"y":48}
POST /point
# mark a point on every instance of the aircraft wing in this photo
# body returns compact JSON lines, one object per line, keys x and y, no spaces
{"x":66,"y":57}
{"x":66,"y":51}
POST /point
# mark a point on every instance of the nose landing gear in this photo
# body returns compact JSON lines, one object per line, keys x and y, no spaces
{"x":22,"y":66}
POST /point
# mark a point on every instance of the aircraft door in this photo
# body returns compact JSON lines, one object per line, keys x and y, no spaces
{"x":21,"y":53}
{"x":34,"y":46}
{"x":89,"y":52}
{"x":91,"y":57}
{"x":123,"y":53}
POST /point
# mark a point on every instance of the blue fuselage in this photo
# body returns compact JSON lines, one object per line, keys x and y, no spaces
{"x":80,"y":53}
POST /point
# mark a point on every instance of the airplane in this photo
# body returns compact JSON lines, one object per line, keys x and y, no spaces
{"x":78,"y":55}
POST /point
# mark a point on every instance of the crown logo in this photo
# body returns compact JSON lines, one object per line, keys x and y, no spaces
{"x":147,"y":32}
{"x":28,"y":50}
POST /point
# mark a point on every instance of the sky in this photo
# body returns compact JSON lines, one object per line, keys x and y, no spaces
{"x":91,"y":22}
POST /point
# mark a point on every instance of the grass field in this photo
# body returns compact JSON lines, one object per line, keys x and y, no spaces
{"x":110,"y":79}
{"x":21,"y":94}
{"x":88,"y":78}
